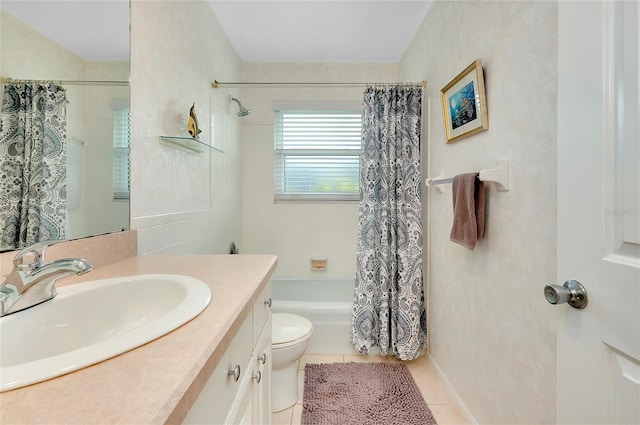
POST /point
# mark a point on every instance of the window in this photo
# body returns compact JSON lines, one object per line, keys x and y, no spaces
{"x":317,"y":155}
{"x":121,"y":142}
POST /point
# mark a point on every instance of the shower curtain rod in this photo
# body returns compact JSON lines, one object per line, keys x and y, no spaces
{"x":219,"y":84}
{"x":4,"y":80}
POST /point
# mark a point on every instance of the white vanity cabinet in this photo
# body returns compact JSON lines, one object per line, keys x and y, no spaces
{"x":239,"y":389}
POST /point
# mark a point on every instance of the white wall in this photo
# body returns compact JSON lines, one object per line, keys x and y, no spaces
{"x":491,"y":330}
{"x":181,"y":202}
{"x":294,"y":231}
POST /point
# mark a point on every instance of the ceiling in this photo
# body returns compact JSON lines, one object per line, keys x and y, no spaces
{"x":95,"y":30}
{"x":320,"y":31}
{"x":327,"y":31}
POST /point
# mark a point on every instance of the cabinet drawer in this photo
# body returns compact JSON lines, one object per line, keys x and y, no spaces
{"x":218,"y":393}
{"x":261,"y":310}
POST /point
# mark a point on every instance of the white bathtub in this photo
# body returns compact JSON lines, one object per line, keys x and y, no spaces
{"x":327,"y":303}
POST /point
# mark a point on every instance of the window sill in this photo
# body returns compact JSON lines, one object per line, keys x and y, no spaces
{"x":315,"y":199}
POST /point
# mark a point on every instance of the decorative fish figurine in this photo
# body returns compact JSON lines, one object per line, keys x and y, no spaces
{"x":192,"y":124}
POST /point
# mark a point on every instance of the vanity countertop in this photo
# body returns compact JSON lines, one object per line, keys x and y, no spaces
{"x":158,"y":382}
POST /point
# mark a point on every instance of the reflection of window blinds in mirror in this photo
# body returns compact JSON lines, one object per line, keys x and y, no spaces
{"x":74,"y":173}
{"x":121,"y":143}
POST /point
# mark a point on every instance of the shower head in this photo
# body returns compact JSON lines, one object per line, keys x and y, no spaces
{"x":242,"y":112}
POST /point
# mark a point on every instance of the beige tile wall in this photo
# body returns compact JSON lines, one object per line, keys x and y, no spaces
{"x":183,"y":203}
{"x":297,"y":231}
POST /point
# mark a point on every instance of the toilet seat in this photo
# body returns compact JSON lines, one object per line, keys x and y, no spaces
{"x":289,"y":329}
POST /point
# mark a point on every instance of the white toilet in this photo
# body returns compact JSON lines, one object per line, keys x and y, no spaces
{"x":290,"y":337}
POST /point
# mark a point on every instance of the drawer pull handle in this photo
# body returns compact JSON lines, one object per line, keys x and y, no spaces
{"x":263,"y":358}
{"x":257,"y":377}
{"x":267,"y":302}
{"x":235,"y":372}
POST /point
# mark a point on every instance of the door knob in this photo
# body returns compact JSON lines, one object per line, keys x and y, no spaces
{"x":571,"y":292}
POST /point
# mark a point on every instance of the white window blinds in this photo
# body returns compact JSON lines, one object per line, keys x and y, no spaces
{"x":121,"y":139}
{"x":317,"y":155}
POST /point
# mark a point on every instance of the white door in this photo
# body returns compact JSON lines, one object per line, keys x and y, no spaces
{"x":598,"y":211}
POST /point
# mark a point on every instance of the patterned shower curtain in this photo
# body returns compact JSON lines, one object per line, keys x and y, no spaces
{"x":32,"y":164}
{"x":389,"y":310}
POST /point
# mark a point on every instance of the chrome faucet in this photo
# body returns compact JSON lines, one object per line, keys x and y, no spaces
{"x":36,"y":279}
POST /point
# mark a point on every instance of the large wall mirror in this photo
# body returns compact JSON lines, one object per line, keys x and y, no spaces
{"x":82,"y":47}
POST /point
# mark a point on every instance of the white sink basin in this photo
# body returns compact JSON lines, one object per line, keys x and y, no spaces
{"x":94,"y":321}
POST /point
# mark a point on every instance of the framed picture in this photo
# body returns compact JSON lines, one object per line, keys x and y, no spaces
{"x":464,"y":104}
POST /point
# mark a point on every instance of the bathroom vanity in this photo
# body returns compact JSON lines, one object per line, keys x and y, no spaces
{"x":242,"y":379}
{"x":213,"y":369}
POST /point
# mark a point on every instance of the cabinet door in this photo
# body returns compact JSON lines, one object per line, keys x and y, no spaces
{"x":261,"y":311}
{"x":246,"y":418}
{"x":218,"y":394}
{"x":262,"y":389}
{"x":242,"y":412}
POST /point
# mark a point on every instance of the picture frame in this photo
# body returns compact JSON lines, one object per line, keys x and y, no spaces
{"x":464,"y":104}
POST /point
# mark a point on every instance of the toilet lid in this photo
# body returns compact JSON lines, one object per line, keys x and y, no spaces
{"x":287,"y":327}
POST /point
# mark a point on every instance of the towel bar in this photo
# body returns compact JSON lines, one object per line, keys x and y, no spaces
{"x":499,"y":176}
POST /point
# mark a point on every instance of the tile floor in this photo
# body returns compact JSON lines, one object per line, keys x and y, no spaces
{"x":433,"y":390}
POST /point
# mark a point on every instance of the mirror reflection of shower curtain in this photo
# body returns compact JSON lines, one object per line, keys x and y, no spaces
{"x":75,"y":155}
{"x":32,"y":164}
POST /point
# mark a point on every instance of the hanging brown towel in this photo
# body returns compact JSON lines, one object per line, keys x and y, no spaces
{"x":468,"y":210}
